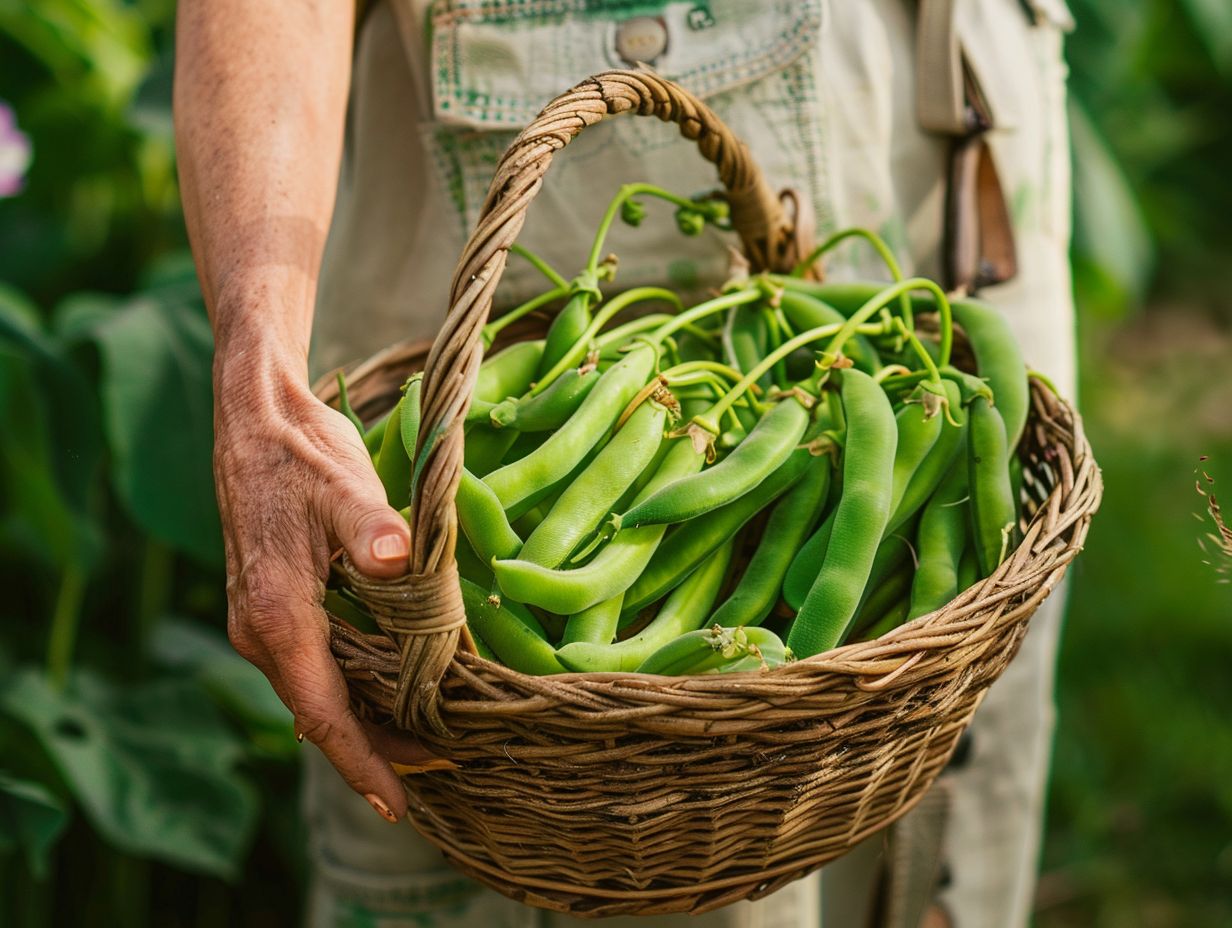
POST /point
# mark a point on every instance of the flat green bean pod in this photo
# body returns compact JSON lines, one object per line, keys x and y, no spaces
{"x":567,"y":447}
{"x":769,"y":444}
{"x":940,"y":541}
{"x":610,"y":572}
{"x":589,"y":498}
{"x":596,"y":625}
{"x":510,"y":630}
{"x":937,"y":463}
{"x":994,"y":513}
{"x":507,"y":373}
{"x":718,"y":650}
{"x":549,"y":409}
{"x":999,"y":360}
{"x":690,"y":543}
{"x":483,"y":521}
{"x":393,"y":464}
{"x":807,"y":312}
{"x":683,"y":611}
{"x":859,"y":520}
{"x":793,"y":518}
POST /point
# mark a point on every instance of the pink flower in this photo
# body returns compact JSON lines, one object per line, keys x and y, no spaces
{"x":14,"y":153}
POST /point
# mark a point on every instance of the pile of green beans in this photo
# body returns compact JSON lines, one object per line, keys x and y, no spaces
{"x":727,"y":485}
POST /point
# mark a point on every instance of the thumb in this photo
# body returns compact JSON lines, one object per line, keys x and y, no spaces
{"x":375,"y":536}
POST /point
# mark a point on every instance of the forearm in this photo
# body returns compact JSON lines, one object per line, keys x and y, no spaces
{"x":260,"y":101}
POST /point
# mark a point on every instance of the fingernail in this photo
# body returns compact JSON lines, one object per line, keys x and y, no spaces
{"x":390,"y":548}
{"x":381,"y":809}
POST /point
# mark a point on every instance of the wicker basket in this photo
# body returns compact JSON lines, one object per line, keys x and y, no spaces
{"x":603,"y":794}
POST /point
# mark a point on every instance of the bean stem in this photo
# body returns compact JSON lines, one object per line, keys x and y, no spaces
{"x":604,"y":314}
{"x":701,"y":310}
{"x":539,"y":264}
{"x":709,"y":419}
{"x":882,"y":248}
{"x":494,"y":328}
{"x":626,"y":192}
{"x":930,"y":366}
{"x":893,"y":292}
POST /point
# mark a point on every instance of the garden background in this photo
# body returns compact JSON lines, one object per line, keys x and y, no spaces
{"x":147,"y":773}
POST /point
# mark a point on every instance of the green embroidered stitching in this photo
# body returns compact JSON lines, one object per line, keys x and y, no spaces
{"x":705,"y":78}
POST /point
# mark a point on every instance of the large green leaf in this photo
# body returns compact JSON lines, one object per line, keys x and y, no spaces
{"x":237,"y":685}
{"x":158,"y":418}
{"x":1110,"y":233}
{"x":153,"y":765}
{"x":31,"y":819}
{"x":1212,"y":21}
{"x":51,"y":444}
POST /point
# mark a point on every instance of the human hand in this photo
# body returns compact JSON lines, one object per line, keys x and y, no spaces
{"x":294,"y":483}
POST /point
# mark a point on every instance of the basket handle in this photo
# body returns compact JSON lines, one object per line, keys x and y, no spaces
{"x":422,"y":612}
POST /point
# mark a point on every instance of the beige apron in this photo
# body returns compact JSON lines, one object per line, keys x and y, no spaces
{"x":825,"y":91}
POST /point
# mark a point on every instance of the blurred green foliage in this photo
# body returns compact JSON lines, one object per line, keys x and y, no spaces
{"x":144,"y":765}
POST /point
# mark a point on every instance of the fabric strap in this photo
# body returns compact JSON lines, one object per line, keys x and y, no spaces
{"x":979,"y":247}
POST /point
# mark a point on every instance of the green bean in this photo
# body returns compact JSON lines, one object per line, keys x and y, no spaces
{"x":793,"y":518}
{"x":590,"y":497}
{"x":547,"y":410}
{"x":919,"y":428}
{"x":859,"y":300}
{"x":486,"y":447}
{"x":745,"y":339}
{"x":893,"y":589}
{"x":528,"y":521}
{"x":496,"y":326}
{"x":596,"y":625}
{"x":566,"y":330}
{"x":409,"y":418}
{"x":968,"y":569}
{"x":893,"y":551}
{"x":762,"y":452}
{"x":483,"y":649}
{"x":807,"y":312}
{"x":523,"y":445}
{"x":610,"y":572}
{"x":344,"y":406}
{"x":685,"y":610}
{"x":806,"y":564}
{"x":567,"y":446}
{"x":470,"y":566}
{"x":483,"y":521}
{"x":508,"y":372}
{"x":993,"y":517}
{"x":376,"y":434}
{"x":510,"y":630}
{"x":844,"y":295}
{"x":879,"y":245}
{"x":859,"y":520}
{"x":999,"y":361}
{"x":914,"y":467}
{"x":393,"y":464}
{"x":578,"y":349}
{"x":937,"y":463}
{"x":691,"y":542}
{"x":893,"y":617}
{"x":717,"y":650}
{"x":940,"y":541}
{"x":997,"y":353}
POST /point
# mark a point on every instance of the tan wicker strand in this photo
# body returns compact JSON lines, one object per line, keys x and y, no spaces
{"x":609,"y":794}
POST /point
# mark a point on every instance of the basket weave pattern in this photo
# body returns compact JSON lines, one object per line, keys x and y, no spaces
{"x":604,"y":794}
